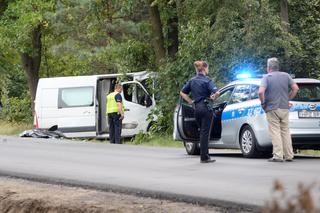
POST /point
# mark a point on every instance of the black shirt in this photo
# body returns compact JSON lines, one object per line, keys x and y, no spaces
{"x":118,"y":98}
{"x":200,"y":86}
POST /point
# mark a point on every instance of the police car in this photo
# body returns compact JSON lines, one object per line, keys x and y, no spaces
{"x":239,"y":122}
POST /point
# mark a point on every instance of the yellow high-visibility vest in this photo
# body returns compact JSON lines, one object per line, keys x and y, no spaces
{"x":112,"y":105}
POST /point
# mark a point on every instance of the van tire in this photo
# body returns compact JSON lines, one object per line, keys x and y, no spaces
{"x":192,"y":148}
{"x":248,"y":142}
{"x":150,"y":125}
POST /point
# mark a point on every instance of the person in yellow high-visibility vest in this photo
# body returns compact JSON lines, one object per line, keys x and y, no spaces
{"x":115,"y":112}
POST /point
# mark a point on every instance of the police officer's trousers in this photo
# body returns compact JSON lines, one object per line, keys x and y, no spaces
{"x":204,"y":117}
{"x":115,"y":125}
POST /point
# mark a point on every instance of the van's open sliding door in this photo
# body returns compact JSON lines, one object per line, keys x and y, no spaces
{"x":104,"y":87}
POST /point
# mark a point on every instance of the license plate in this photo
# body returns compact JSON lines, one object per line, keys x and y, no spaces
{"x":309,"y":114}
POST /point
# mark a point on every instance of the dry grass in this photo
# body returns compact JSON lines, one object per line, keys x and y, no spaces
{"x":13,"y":128}
{"x":283,"y":203}
{"x":310,"y":152}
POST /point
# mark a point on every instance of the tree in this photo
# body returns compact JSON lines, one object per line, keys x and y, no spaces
{"x":157,"y":31}
{"x":22,"y":23}
{"x":284,"y":14}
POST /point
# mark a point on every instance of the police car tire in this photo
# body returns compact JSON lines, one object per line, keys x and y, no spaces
{"x":192,"y":148}
{"x":253,"y":152}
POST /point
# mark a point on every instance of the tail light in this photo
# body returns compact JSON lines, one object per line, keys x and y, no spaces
{"x":35,"y":120}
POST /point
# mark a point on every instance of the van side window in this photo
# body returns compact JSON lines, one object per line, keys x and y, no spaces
{"x":142,"y":96}
{"x":136,"y":94}
{"x":241,"y":94}
{"x":75,"y":97}
{"x":127,"y":91}
{"x":254,"y":92}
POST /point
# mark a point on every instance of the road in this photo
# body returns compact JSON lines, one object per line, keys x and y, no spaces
{"x":157,"y":172}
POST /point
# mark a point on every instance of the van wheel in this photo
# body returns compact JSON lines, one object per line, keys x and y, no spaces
{"x":192,"y":148}
{"x":150,"y":125}
{"x":248,"y":143}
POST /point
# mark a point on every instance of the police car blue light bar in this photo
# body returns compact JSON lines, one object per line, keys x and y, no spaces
{"x":243,"y":76}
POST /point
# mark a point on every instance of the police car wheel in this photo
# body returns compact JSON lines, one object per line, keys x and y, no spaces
{"x":192,"y":148}
{"x":248,"y":143}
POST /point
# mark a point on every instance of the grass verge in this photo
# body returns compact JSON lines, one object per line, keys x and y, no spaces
{"x":155,"y":140}
{"x":310,"y":152}
{"x":7,"y":128}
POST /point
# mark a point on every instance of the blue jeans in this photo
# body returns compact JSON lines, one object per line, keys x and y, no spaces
{"x":115,"y":125}
{"x":204,"y":117}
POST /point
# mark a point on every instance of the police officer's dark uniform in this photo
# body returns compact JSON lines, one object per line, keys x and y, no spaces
{"x":202,"y":88}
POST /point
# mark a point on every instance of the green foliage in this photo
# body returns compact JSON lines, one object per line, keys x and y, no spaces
{"x":162,"y":140}
{"x":82,"y":37}
{"x":306,"y":26}
{"x":15,"y":99}
{"x":18,"y":21}
{"x":243,"y":34}
{"x":16,"y":109}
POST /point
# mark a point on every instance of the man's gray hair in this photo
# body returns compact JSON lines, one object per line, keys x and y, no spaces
{"x":273,"y":64}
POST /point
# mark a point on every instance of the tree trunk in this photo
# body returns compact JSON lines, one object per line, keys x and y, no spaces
{"x":31,"y":63}
{"x":173,"y":33}
{"x":3,"y":6}
{"x":157,"y":34}
{"x":284,"y":14}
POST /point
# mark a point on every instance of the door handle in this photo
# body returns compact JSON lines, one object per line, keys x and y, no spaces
{"x":126,"y":110}
{"x":241,"y":109}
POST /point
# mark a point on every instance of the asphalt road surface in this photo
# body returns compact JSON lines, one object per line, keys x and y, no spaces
{"x":158,"y":172}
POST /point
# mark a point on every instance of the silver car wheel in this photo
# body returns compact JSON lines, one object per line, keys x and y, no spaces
{"x":247,"y":141}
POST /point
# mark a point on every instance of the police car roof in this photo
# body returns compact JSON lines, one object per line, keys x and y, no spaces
{"x":257,"y":81}
{"x":246,"y":81}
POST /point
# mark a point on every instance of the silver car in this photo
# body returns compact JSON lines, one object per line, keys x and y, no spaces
{"x":240,"y":123}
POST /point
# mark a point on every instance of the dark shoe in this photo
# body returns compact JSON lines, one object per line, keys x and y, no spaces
{"x":275,"y":160}
{"x":289,"y":160}
{"x":207,"y":161}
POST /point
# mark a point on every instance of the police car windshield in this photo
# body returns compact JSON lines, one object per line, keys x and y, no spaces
{"x":308,"y":92}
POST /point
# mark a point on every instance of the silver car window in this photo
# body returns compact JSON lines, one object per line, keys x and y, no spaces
{"x":308,"y":92}
{"x":224,"y":96}
{"x":254,"y":92}
{"x":240,"y":94}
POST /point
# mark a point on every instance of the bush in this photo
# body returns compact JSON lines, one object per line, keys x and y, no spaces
{"x":16,"y":109}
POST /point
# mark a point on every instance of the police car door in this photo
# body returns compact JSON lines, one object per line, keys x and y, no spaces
{"x":234,"y":115}
{"x":186,"y":127}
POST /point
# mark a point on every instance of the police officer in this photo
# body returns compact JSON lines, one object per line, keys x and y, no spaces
{"x":115,"y":112}
{"x":201,"y":88}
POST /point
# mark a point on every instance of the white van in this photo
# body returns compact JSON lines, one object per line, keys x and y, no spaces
{"x":77,"y":104}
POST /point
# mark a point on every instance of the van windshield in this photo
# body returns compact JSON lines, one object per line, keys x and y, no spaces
{"x":308,"y":92}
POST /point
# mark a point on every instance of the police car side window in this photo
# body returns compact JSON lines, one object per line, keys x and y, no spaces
{"x":240,"y":94}
{"x":254,"y":92}
{"x":224,"y":96}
